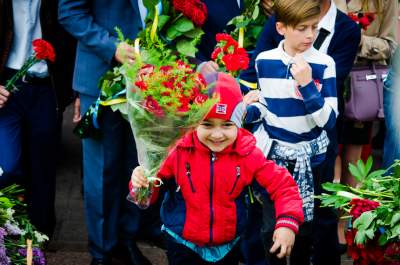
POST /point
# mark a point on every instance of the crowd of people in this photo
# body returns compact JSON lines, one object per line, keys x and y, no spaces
{"x":294,"y":136}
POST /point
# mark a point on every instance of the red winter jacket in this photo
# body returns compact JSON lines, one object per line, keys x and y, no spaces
{"x":206,"y":203}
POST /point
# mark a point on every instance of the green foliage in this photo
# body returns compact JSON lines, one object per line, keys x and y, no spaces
{"x":252,"y":20}
{"x":382,"y":186}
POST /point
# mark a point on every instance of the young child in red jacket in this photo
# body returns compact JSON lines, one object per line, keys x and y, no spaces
{"x":209,"y":170}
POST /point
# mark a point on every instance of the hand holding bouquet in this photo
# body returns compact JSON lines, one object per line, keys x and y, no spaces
{"x":42,"y":51}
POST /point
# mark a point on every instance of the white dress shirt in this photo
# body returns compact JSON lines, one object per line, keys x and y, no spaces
{"x":328,"y":23}
{"x":26,"y":14}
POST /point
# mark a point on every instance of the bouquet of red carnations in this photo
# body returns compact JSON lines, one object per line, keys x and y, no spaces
{"x":164,"y":102}
{"x":374,"y":210}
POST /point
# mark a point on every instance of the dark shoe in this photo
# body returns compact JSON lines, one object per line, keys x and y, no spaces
{"x":136,"y":256}
{"x":99,"y":262}
{"x":342,"y":248}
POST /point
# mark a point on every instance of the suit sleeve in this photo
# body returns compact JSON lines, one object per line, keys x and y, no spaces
{"x":282,"y":189}
{"x":75,"y":16}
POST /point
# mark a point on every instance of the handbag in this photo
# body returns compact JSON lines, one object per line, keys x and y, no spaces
{"x":365,"y":101}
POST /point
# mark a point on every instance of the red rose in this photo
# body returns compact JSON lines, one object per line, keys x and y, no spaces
{"x":364,"y":22}
{"x":168,"y":84}
{"x":179,"y":5}
{"x":165,"y":69}
{"x":200,"y":99}
{"x":152,"y":106}
{"x":360,"y":206}
{"x":198,"y":17}
{"x":197,"y":12}
{"x":43,"y":50}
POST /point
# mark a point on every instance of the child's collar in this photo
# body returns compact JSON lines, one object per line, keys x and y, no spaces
{"x":286,"y":58}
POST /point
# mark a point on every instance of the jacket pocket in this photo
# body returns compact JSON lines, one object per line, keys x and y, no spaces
{"x":236,"y":179}
{"x":189,"y":175}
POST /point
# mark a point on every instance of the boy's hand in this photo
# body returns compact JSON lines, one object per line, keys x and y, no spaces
{"x":252,"y":96}
{"x":301,"y":70}
{"x":4,"y":94}
{"x":138,"y":178}
{"x":209,"y":67}
{"x":283,"y":238}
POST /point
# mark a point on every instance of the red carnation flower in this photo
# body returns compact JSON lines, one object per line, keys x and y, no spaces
{"x":145,"y":71}
{"x":152,"y":106}
{"x":43,"y":50}
{"x":223,"y":37}
{"x":165,"y":69}
{"x":215,"y":53}
{"x":200,"y":99}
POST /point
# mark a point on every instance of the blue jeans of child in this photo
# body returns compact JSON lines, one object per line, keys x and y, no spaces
{"x":391,"y":104}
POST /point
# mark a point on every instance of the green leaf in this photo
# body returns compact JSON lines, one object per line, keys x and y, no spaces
{"x":149,"y":4}
{"x":183,"y":25}
{"x":395,"y":219}
{"x":376,"y":173}
{"x":360,"y":237}
{"x":256,"y":12}
{"x":173,"y":33}
{"x":383,"y":239}
{"x":194,"y":33}
{"x":329,"y":186}
{"x":355,"y":172}
{"x":162,"y":20}
{"x":365,"y":220}
{"x":185,"y":47}
{"x":368,"y":165}
{"x":361,"y":168}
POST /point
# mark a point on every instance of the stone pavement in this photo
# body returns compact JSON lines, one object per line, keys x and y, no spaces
{"x":69,"y":244}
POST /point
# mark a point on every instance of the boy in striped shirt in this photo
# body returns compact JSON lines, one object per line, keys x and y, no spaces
{"x":295,"y":106}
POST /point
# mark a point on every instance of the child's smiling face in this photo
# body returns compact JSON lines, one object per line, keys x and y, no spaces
{"x":217,"y":134}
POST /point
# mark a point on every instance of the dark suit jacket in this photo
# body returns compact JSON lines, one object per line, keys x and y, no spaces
{"x":219,"y":13}
{"x":342,"y":48}
{"x":93,"y":24}
{"x":64,"y":45}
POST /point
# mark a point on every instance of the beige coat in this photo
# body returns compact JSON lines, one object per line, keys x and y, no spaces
{"x":378,"y":42}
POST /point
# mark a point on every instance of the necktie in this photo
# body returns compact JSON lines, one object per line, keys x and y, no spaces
{"x":323,"y":33}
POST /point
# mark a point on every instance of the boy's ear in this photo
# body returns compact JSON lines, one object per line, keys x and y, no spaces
{"x":281,"y":28}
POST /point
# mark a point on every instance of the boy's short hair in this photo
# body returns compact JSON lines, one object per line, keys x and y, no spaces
{"x":293,"y":12}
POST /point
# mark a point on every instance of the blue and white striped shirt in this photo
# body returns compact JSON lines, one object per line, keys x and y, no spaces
{"x":296,"y":115}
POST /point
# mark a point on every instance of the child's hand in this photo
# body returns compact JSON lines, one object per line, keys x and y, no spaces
{"x":138,"y":178}
{"x":283,"y":238}
{"x":252,"y":96}
{"x":301,"y":70}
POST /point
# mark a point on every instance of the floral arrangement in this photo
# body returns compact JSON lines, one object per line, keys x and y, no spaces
{"x":228,"y":55}
{"x":164,"y":102}
{"x":363,"y":19}
{"x":374,"y":210}
{"x":42,"y":51}
{"x":178,"y":25}
{"x":19,"y":240}
{"x":249,"y":24}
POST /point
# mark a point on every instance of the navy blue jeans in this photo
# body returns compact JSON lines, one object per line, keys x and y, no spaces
{"x":28,"y":148}
{"x":391,"y":104}
{"x":108,"y":162}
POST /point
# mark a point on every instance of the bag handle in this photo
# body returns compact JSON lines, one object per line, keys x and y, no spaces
{"x":379,"y":84}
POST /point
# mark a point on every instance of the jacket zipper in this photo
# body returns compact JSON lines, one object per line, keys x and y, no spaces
{"x":212,"y":159}
{"x":189,"y":175}
{"x":236,"y":180}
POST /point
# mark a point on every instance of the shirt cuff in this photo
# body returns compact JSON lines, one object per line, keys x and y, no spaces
{"x":289,"y":222}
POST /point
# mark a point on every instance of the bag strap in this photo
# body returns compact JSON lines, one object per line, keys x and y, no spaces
{"x":379,"y":86}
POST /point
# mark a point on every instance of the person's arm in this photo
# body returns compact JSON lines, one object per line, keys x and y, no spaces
{"x":319,"y":96}
{"x":268,"y":39}
{"x":76,"y":17}
{"x":381,"y":47}
{"x":282,"y":190}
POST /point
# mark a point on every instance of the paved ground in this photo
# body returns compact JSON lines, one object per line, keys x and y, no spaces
{"x":69,"y":245}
